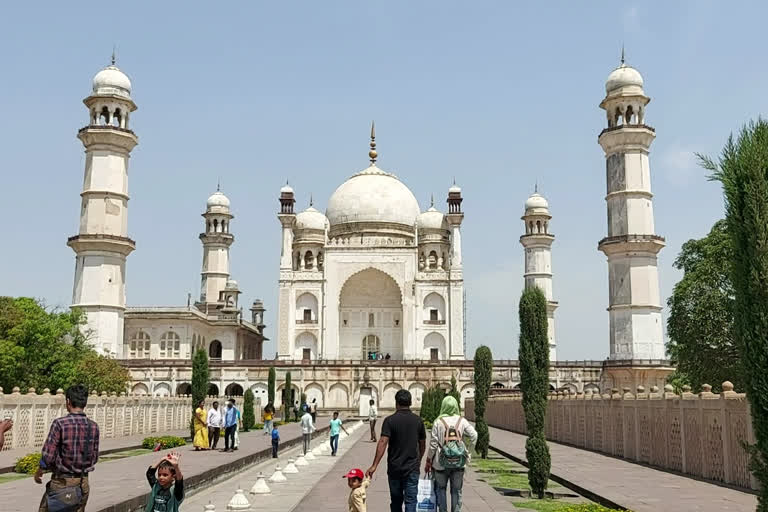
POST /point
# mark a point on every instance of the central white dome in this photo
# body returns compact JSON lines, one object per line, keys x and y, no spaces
{"x":373,"y":195}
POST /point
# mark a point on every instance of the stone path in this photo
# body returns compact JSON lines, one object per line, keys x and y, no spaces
{"x":636,"y":487}
{"x":332,"y":492}
{"x":122,"y":480}
{"x":284,"y":496}
{"x":8,"y":457}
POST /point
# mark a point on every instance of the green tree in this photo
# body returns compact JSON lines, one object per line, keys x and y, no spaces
{"x":249,"y":418}
{"x":742,"y":168}
{"x":200,"y":377}
{"x":454,"y":392}
{"x":700,"y":322}
{"x":483,"y":370}
{"x":271,"y":386}
{"x":287,"y":399}
{"x":534,"y":383}
{"x":46,"y":348}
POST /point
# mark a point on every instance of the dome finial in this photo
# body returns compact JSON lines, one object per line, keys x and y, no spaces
{"x":622,"y":54}
{"x":311,"y":200}
{"x":432,"y":201}
{"x":536,"y":187}
{"x":218,"y":184}
{"x":113,"y":54}
{"x":372,"y":153}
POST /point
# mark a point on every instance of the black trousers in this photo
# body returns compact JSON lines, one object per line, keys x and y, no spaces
{"x":213,"y":436}
{"x":229,"y":434}
{"x":275,"y":445}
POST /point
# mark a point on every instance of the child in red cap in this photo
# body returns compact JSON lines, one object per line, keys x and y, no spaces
{"x":358,"y":483}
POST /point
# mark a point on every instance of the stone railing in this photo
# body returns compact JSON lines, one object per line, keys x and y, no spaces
{"x":699,"y":435}
{"x":117,"y":416}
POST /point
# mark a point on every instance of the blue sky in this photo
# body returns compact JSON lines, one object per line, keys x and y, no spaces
{"x":498,"y":94}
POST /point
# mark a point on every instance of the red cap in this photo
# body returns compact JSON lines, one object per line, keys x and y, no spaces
{"x":355,"y":473}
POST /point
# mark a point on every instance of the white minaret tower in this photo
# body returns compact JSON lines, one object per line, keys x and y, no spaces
{"x":631,"y":245}
{"x":216,"y":242}
{"x":287,"y":217}
{"x":102,"y":244}
{"x":537,"y":241}
{"x":455,"y":217}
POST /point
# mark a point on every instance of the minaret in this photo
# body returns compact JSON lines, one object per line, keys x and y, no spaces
{"x":631,"y":245}
{"x":216,"y":242}
{"x":455,"y":217}
{"x":537,"y":241}
{"x":287,"y":218}
{"x":102,"y":244}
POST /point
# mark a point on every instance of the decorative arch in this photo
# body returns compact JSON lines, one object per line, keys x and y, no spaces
{"x":305,"y":341}
{"x":233,"y":389}
{"x":497,"y":385}
{"x":184,"y":389}
{"x":161,"y":389}
{"x":467,"y":392}
{"x":593,"y":387}
{"x":170,"y":345}
{"x":570,"y":388}
{"x":434,"y":308}
{"x":435,"y":341}
{"x":214,"y":350}
{"x":139,"y":345}
{"x":140,"y":389}
{"x":417,"y":390}
{"x":338,"y":396}
{"x":213,"y":389}
{"x":306,"y":308}
{"x":388,"y":397}
{"x":314,"y":391}
{"x":347,"y":276}
{"x":260,"y":393}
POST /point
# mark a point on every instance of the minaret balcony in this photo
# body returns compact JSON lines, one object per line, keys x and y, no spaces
{"x":300,"y":321}
{"x":101,"y":242}
{"x":434,"y":322}
{"x":626,"y":137}
{"x":122,"y":138}
{"x":621,"y":244}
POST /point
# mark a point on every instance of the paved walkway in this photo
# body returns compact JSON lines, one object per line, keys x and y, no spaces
{"x":121,"y":480}
{"x":8,"y":457}
{"x":332,"y":492}
{"x":633,"y":486}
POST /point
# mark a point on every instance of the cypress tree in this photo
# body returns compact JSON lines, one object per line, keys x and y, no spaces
{"x":534,"y":383}
{"x":249,"y":418}
{"x":200,"y":380}
{"x":287,"y":403}
{"x":483,"y":371}
{"x":454,"y":392}
{"x":271,"y":386}
{"x":743,"y":171}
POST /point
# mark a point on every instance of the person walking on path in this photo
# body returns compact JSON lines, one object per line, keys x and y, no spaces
{"x":448,"y":454}
{"x":5,"y":426}
{"x":307,"y":427}
{"x":275,"y":441}
{"x":373,"y":413}
{"x":215,"y":422}
{"x":70,"y":453}
{"x":167,"y":487}
{"x":313,"y":410}
{"x":357,"y":495}
{"x":336,"y":427}
{"x":404,"y":439}
{"x":230,"y":425}
{"x":269,"y":414}
{"x":200,"y":441}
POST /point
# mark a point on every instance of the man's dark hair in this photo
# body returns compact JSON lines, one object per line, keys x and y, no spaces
{"x":166,"y":464}
{"x":335,"y":413}
{"x":215,"y":404}
{"x":371,"y":402}
{"x":403,"y":398}
{"x":77,"y":396}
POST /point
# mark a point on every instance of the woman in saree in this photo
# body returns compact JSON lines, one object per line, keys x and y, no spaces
{"x":200,"y":441}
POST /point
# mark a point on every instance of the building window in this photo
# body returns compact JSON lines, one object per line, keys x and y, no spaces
{"x":170,"y":345}
{"x":433,"y":315}
{"x":371,"y":347}
{"x":307,"y":315}
{"x":371,"y":318}
{"x":434,"y":355}
{"x":306,"y":354}
{"x":139,"y":346}
{"x":214,"y":351}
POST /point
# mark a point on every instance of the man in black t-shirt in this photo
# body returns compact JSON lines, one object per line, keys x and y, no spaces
{"x":404,"y":439}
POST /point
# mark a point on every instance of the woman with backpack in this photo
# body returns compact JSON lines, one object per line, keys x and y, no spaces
{"x":448,"y":453}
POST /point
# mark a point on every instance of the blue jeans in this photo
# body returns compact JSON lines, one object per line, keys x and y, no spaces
{"x":334,"y":444}
{"x":267,"y":427}
{"x":403,"y":490}
{"x":456,"y":478}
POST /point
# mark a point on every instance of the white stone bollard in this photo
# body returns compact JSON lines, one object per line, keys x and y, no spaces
{"x":210,"y":507}
{"x":277,"y":476}
{"x":239,"y":501}
{"x":301,"y":461}
{"x":260,"y":487}
{"x":291,"y":468}
{"x":310,"y":456}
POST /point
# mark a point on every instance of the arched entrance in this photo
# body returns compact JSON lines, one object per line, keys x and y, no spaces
{"x":184,"y":389}
{"x":213,"y":390}
{"x":234,"y":390}
{"x":214,"y":352}
{"x":371,"y":316}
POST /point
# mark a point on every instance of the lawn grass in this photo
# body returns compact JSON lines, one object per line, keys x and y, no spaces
{"x":123,"y":454}
{"x":10,"y":477}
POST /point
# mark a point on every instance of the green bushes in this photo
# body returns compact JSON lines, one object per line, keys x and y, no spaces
{"x":164,"y":441}
{"x":534,"y":383}
{"x":430,"y":404}
{"x":200,"y":380}
{"x":249,"y":418}
{"x":271,"y":386}
{"x":28,"y":464}
{"x":483,"y":370}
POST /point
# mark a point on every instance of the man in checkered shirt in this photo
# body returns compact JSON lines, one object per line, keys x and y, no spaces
{"x":71,"y":450}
